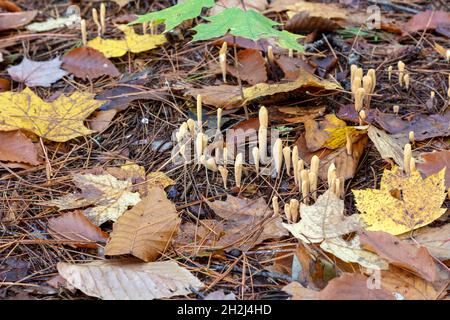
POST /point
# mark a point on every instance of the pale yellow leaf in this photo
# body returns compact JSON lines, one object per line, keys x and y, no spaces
{"x":60,"y":120}
{"x":129,"y":280}
{"x":403,"y":203}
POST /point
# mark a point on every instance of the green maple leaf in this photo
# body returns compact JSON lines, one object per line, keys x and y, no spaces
{"x":177,"y":14}
{"x":247,"y":24}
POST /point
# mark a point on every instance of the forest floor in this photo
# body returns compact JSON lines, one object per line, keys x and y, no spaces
{"x":234,"y":245}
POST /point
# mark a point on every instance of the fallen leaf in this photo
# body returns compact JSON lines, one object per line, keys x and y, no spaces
{"x":37,"y":73}
{"x":399,"y":253}
{"x":17,"y":147}
{"x":5,"y":84}
{"x":16,"y":20}
{"x":70,"y":19}
{"x":101,"y":120}
{"x":351,"y":251}
{"x":228,"y":97}
{"x":427,"y":20}
{"x":9,"y":6}
{"x":60,"y":120}
{"x":298,"y":292}
{"x":257,"y":5}
{"x":420,"y":202}
{"x":129,"y":280}
{"x":353,"y":286}
{"x":292,"y":67}
{"x":220,"y":295}
{"x":246,"y":223}
{"x":158,"y":179}
{"x":436,"y":240}
{"x":132,"y":42}
{"x":252,"y":67}
{"x":435,"y":162}
{"x":143,"y":231}
{"x":323,"y":220}
{"x":298,"y":114}
{"x":389,"y":146}
{"x":75,"y":226}
{"x":129,"y":171}
{"x":406,"y":285}
{"x":316,"y":133}
{"x":88,"y":63}
{"x":108,"y":196}
{"x":13,"y":269}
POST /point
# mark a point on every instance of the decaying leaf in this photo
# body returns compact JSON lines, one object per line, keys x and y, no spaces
{"x":353,"y":286}
{"x":13,"y":20}
{"x":37,"y":73}
{"x":399,"y":253}
{"x":229,"y":97}
{"x":129,"y":280}
{"x":17,"y":147}
{"x":109,"y":197}
{"x":351,"y":251}
{"x":246,"y":223}
{"x":323,"y":220}
{"x":88,"y":63}
{"x":435,"y":162}
{"x":402,"y":203}
{"x":75,"y":226}
{"x":71,"y":19}
{"x":132,"y":42}
{"x":145,"y":230}
{"x":389,"y":146}
{"x":436,"y":240}
{"x":60,"y":120}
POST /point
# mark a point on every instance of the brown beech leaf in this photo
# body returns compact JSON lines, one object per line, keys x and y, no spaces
{"x":17,"y":147}
{"x":436,"y":240}
{"x":75,"y":226}
{"x":427,"y":20}
{"x":145,"y":230}
{"x":14,"y":20}
{"x":101,"y":120}
{"x":399,"y":253}
{"x":88,"y":63}
{"x":435,"y":162}
{"x":353,"y":286}
{"x":129,"y":280}
{"x":251,"y":67}
{"x":292,"y":67}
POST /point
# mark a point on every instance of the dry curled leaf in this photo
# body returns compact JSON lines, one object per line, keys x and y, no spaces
{"x":403,"y":203}
{"x":88,"y":63}
{"x":435,"y":162}
{"x":76,"y":227}
{"x":323,"y":220}
{"x":109,"y":197}
{"x":132,"y":42}
{"x":14,"y":20}
{"x":17,"y":147}
{"x":37,"y":73}
{"x":60,"y":120}
{"x":351,"y":251}
{"x":145,"y":230}
{"x":129,"y":280}
{"x":399,"y":253}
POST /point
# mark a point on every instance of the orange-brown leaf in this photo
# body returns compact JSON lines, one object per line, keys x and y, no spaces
{"x":252,"y":67}
{"x":17,"y":147}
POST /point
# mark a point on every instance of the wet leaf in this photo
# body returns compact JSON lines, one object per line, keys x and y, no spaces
{"x":17,"y":147}
{"x":132,"y":42}
{"x":88,"y":63}
{"x":37,"y":73}
{"x":399,"y":253}
{"x":60,"y":120}
{"x":144,"y":231}
{"x":109,"y":197}
{"x":75,"y":226}
{"x":14,"y":20}
{"x":323,"y":220}
{"x":420,"y":202}
{"x":129,"y":280}
{"x":435,"y":162}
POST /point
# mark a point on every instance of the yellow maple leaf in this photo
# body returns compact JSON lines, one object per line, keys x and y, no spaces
{"x":132,"y":42}
{"x":60,"y":120}
{"x":338,"y":136}
{"x":403,"y":203}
